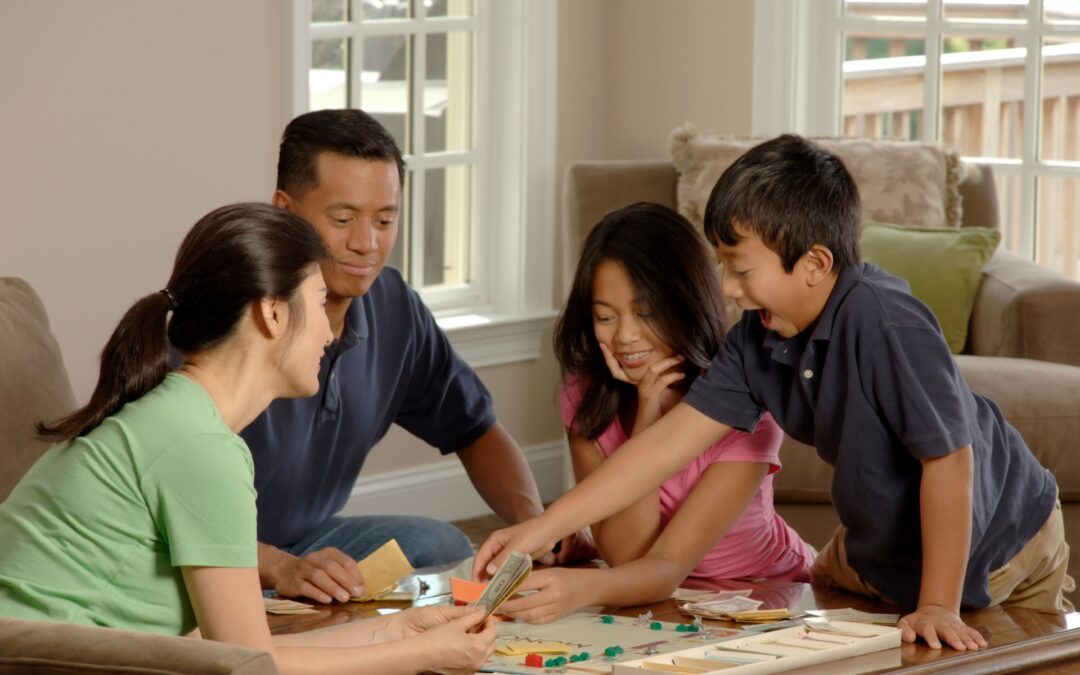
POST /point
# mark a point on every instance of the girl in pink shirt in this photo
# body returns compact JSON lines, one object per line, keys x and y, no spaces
{"x":642,"y":321}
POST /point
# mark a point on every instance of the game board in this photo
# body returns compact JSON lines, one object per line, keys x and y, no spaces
{"x":587,"y":632}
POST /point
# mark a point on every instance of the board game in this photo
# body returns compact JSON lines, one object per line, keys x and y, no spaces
{"x":816,"y":642}
{"x":591,"y":634}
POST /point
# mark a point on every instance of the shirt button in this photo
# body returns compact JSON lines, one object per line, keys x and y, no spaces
{"x":808,"y":373}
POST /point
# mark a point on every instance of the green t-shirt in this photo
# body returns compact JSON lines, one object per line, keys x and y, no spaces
{"x":97,"y":530}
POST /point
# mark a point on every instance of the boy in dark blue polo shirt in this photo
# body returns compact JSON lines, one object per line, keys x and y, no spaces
{"x":935,"y":490}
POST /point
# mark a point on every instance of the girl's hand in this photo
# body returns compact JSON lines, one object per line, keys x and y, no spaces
{"x":559,"y":591}
{"x":453,"y":649}
{"x":655,"y":396}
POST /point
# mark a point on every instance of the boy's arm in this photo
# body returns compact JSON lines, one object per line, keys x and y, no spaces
{"x":623,"y":478}
{"x":945,"y":516}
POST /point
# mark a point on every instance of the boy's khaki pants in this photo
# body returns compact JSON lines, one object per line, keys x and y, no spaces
{"x":1036,"y":577}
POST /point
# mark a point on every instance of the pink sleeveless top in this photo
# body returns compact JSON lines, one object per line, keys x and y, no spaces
{"x":759,"y":544}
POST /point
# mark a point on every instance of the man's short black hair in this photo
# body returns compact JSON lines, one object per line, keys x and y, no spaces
{"x":792,"y":194}
{"x":350,"y":133}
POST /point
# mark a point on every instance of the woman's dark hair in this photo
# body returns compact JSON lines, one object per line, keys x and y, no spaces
{"x":349,"y":133}
{"x":232,"y":257}
{"x":672,"y":273}
{"x":792,"y":194}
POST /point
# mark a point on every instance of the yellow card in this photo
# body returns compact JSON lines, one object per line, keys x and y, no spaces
{"x":521,"y":648}
{"x":383,"y":569}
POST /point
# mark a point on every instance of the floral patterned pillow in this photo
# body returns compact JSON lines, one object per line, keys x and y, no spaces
{"x":903,"y":182}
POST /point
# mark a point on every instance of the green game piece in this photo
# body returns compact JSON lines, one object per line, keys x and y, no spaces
{"x":692,"y":627}
{"x":618,"y":649}
{"x":607,"y":618}
{"x":561,"y":660}
{"x":574,"y":658}
{"x":656,"y":625}
{"x":680,"y":628}
{"x":585,"y":656}
{"x":550,"y":663}
{"x":610,"y":652}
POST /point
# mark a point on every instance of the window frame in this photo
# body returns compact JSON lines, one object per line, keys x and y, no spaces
{"x":798,"y":49}
{"x":502,"y":315}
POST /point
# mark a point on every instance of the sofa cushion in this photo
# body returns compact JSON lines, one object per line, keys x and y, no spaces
{"x":1036,"y":397}
{"x":902,"y":182}
{"x":36,"y":386}
{"x":943,"y":265}
{"x":47,"y":648}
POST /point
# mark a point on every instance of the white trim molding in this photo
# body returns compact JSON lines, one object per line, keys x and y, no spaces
{"x":492,"y":340}
{"x":442,"y":489}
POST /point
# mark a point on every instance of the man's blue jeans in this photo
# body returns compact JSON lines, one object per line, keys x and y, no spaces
{"x":425,"y":541}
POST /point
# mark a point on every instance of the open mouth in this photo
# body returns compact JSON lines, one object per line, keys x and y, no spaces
{"x":766,"y":317}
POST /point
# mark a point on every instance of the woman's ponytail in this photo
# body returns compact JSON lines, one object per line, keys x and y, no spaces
{"x":134,"y":361}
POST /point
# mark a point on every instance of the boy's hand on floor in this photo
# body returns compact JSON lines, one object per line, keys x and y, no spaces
{"x":935,"y":624}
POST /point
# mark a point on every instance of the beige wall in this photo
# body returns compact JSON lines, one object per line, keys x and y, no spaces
{"x":122,"y":121}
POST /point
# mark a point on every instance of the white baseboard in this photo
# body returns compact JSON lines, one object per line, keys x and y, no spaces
{"x":442,"y":489}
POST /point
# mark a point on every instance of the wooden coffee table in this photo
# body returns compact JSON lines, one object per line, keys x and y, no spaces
{"x":1020,"y":639}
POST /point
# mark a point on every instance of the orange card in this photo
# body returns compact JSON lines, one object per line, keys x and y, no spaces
{"x":466,"y":592}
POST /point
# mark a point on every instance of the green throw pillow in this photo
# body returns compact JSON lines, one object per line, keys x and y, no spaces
{"x":943,"y":266}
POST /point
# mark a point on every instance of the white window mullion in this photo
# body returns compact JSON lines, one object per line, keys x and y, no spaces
{"x":417,"y":66}
{"x":932,"y":72}
{"x":1032,"y":243}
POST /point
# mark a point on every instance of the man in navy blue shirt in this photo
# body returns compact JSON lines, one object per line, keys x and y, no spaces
{"x":942,"y":504}
{"x":389,"y":363}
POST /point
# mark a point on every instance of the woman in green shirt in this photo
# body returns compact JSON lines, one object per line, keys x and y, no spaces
{"x":142,"y":516}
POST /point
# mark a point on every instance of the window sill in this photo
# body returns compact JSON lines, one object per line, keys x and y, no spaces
{"x":495,"y":339}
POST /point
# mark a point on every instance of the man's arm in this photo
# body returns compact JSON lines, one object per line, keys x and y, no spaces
{"x":499,"y":472}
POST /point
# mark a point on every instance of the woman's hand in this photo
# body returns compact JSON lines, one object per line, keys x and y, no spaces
{"x":417,"y":620}
{"x":451,"y":648}
{"x":655,"y":396}
{"x":559,"y":591}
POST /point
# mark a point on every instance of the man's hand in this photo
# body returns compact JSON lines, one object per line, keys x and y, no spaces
{"x":934,"y":623}
{"x":324,"y":576}
{"x":577,"y":548}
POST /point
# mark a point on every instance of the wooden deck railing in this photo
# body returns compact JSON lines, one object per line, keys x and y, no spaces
{"x":982,"y":104}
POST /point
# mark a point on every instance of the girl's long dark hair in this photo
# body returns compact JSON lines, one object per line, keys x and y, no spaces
{"x":232,"y":257}
{"x":672,"y":272}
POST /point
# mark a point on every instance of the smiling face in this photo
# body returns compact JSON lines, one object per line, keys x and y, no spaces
{"x":354,"y":207}
{"x":304,"y":344}
{"x":621,"y":321}
{"x":754,"y":277}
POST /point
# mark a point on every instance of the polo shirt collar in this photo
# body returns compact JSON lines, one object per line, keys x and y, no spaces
{"x":356,"y":324}
{"x":790,"y":350}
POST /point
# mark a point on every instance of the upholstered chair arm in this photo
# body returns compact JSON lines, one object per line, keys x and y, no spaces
{"x":1023,"y":310}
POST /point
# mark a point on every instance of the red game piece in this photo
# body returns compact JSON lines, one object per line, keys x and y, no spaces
{"x":534,"y":660}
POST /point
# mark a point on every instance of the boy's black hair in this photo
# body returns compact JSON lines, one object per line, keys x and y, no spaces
{"x":792,"y":194}
{"x":349,"y":132}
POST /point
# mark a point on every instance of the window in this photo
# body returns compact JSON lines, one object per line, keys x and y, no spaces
{"x":457,"y":83}
{"x":999,"y":80}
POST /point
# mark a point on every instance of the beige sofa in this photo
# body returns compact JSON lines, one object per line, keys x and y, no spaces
{"x":1023,"y":351}
{"x":35,"y":387}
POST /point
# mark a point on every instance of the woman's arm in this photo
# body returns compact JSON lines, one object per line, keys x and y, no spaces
{"x":229,"y":608}
{"x":628,"y":534}
{"x":716,"y":502}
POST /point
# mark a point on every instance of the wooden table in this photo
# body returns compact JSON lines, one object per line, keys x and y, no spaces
{"x":1020,"y":639}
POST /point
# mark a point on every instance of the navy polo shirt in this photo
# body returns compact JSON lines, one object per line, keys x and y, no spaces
{"x":873,"y":387}
{"x":391,"y":364}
